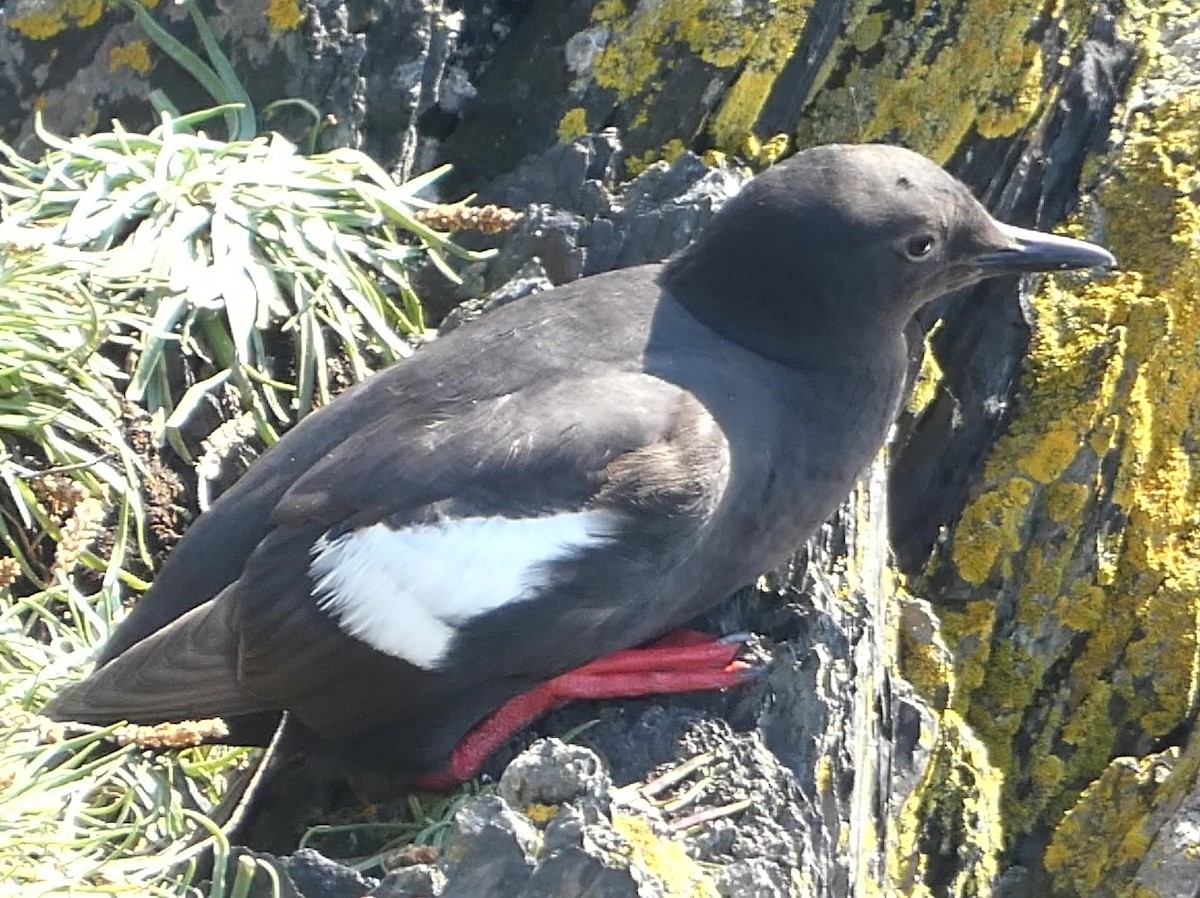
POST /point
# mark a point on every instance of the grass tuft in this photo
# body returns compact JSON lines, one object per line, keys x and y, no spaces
{"x":82,"y":814}
{"x":144,"y":280}
{"x":163,"y":298}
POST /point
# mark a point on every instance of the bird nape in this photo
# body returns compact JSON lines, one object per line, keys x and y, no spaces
{"x":504,"y":522}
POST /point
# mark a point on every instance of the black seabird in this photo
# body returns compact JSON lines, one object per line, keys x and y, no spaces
{"x":571,"y":476}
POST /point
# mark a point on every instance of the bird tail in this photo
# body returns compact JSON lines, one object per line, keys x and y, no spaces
{"x":185,"y":671}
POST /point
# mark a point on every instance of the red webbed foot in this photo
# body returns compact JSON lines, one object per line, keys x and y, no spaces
{"x":681,"y":661}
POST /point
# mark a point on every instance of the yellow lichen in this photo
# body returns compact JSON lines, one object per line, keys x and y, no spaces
{"x":573,"y":124}
{"x":768,"y":53}
{"x":1083,"y":609}
{"x":51,"y":20}
{"x":1010,"y":682}
{"x":540,"y":814}
{"x":959,"y":794}
{"x":666,"y":861}
{"x":1066,"y":501}
{"x":285,"y":15}
{"x":823,"y":775}
{"x":1099,"y":844}
{"x":1048,"y":774}
{"x":932,"y":79}
{"x":634,"y":59}
{"x":1005,"y":115}
{"x":758,"y":43}
{"x":967,"y":629}
{"x":1089,"y":729}
{"x":1054,"y":452}
{"x":668,"y":152}
{"x":635,"y":164}
{"x":672,"y":150}
{"x":1045,"y":568}
{"x":925,"y":660}
{"x":1098,"y":646}
{"x":929,"y":378}
{"x":868,"y":32}
{"x":990,"y":529}
{"x":764,"y":153}
{"x":1163,"y":659}
{"x":134,"y":56}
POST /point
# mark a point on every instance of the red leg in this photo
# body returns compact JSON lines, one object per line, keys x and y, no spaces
{"x":665,"y":656}
{"x":682,"y":661}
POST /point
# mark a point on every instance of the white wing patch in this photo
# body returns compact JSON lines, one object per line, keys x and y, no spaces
{"x":405,"y":591}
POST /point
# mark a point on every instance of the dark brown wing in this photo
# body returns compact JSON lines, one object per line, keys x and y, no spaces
{"x":581,"y":329}
{"x":629,"y":443}
{"x":182,"y":672}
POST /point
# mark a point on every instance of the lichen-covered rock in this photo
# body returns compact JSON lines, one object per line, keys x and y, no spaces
{"x":392,"y":77}
{"x":1076,"y":649}
{"x":496,"y":848}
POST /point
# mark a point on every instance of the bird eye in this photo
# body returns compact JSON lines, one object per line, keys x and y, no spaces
{"x":919,"y":246}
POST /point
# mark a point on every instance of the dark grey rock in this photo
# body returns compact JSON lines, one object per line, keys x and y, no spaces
{"x":263,"y":884}
{"x":1017,"y":883}
{"x":579,"y":220}
{"x":305,"y":874}
{"x":493,"y":865}
{"x":316,"y":876}
{"x":490,"y":812}
{"x":337,"y":54}
{"x":417,"y":881}
{"x":636,"y":738}
{"x":551,"y":773}
{"x":522,"y":94}
{"x":571,"y":176}
{"x":758,"y":877}
{"x":566,"y":830}
{"x":530,"y":279}
{"x":576,"y":873}
{"x":490,"y":850}
{"x":555,"y":237}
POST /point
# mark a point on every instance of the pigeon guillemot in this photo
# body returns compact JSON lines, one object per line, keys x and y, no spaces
{"x":426,"y":562}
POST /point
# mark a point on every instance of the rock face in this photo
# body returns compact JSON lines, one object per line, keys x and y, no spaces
{"x":1040,"y":492}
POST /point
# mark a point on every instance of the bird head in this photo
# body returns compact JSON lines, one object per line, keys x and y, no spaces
{"x":842,"y":240}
